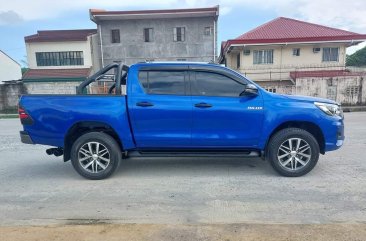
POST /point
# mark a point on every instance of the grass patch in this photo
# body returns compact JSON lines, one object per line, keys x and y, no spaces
{"x":8,"y":116}
{"x":9,"y":111}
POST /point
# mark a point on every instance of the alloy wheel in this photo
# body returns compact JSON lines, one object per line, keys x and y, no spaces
{"x":94,"y":157}
{"x":294,"y":154}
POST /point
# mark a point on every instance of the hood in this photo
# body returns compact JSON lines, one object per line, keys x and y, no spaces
{"x":310,"y":99}
{"x":307,"y":98}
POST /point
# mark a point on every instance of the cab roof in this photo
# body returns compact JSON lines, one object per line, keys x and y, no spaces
{"x":176,"y":63}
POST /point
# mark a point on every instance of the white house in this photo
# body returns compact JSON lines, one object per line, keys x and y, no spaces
{"x":59,"y":59}
{"x":9,"y":68}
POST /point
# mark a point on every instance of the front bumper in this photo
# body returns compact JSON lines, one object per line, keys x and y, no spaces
{"x":25,"y":138}
{"x":335,"y":139}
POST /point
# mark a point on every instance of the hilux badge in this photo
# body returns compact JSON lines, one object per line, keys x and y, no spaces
{"x":255,"y":108}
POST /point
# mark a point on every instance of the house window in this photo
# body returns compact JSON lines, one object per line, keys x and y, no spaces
{"x":59,"y":58}
{"x":179,"y":34}
{"x":352,"y":90}
{"x":116,"y":38}
{"x":148,"y":35}
{"x":263,"y":56}
{"x":296,"y":52}
{"x":271,"y":89}
{"x":238,"y":61}
{"x":330,"y":54}
{"x":207,"y":31}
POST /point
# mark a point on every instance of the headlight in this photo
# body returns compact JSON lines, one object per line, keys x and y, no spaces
{"x":330,"y":109}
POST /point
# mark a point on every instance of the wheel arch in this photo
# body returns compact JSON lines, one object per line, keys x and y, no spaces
{"x":310,"y":127}
{"x":80,"y":128}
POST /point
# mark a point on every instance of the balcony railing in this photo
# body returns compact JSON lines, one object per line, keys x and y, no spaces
{"x":278,"y":73}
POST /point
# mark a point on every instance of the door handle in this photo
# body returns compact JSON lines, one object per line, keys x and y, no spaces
{"x":144,"y":104}
{"x":203,"y":105}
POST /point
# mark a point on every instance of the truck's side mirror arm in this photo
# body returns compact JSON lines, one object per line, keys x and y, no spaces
{"x":249,"y":90}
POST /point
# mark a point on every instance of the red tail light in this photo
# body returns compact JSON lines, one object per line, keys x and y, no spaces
{"x":22,"y":113}
{"x":25,"y":119}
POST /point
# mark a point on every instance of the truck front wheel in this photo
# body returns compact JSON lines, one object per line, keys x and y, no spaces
{"x":293,"y":152}
{"x":95,"y":155}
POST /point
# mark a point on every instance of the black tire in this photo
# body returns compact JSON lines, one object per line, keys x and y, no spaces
{"x":105,"y":141}
{"x":283,"y":137}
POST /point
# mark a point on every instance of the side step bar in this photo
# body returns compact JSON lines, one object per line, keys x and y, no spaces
{"x":192,"y":154}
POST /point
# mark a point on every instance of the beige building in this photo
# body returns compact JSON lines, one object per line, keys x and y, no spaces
{"x":9,"y":68}
{"x":283,"y":50}
{"x":59,"y":59}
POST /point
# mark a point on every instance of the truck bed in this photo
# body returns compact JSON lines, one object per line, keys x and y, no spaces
{"x":54,"y":115}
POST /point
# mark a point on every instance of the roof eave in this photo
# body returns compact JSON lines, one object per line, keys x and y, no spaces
{"x":249,"y":42}
{"x":42,"y":37}
{"x":97,"y":18}
{"x":98,"y":15}
{"x":54,"y":40}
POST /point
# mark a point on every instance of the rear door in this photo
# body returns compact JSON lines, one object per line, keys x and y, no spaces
{"x":161,"y":114}
{"x":221,"y":117}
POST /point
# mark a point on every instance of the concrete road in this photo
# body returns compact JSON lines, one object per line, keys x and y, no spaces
{"x":38,"y":189}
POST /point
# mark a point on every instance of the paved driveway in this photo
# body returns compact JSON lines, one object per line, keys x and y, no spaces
{"x":40,"y":189}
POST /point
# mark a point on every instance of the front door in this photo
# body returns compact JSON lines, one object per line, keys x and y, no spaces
{"x":161,"y":115}
{"x":221,"y":117}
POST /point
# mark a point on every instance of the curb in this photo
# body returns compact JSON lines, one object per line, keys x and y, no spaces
{"x":353,"y":108}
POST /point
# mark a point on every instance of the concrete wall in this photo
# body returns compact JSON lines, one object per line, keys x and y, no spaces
{"x":284,"y":61}
{"x":9,"y":96}
{"x":132,"y":49}
{"x":51,"y":87}
{"x":336,"y":88}
{"x":9,"y":69}
{"x":347,"y":90}
{"x":84,"y":46}
{"x":10,"y":92}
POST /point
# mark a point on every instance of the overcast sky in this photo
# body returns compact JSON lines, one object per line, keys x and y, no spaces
{"x":19,"y":18}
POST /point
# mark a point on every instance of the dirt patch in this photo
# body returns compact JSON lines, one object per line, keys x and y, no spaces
{"x":227,"y":232}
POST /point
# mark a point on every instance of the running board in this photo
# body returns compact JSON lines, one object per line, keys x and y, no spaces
{"x":192,"y":154}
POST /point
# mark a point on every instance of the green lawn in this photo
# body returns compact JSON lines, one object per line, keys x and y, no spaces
{"x":8,"y":116}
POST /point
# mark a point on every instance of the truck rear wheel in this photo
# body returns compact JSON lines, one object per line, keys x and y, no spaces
{"x":293,"y":152}
{"x":95,"y":155}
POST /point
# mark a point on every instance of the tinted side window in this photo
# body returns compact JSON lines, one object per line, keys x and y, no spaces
{"x":214,"y":84}
{"x":163,"y":82}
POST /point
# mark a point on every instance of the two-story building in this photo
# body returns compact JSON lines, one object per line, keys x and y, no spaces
{"x":281,"y":54}
{"x":59,"y":59}
{"x":157,"y":35}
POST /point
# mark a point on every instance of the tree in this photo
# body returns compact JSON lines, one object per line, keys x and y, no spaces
{"x":24,"y":69}
{"x":357,"y":59}
{"x":24,"y":65}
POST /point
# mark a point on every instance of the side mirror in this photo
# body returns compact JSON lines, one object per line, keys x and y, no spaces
{"x":249,"y":90}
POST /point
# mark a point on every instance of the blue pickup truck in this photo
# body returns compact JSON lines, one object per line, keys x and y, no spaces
{"x":180,"y":109}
